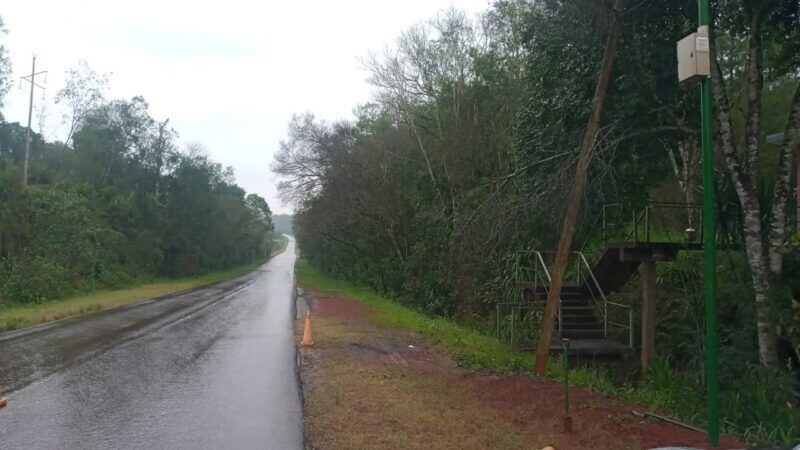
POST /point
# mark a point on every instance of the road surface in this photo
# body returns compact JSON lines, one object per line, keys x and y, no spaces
{"x":210,"y":368}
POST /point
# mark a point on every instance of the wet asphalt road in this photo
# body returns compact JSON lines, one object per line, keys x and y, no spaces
{"x":210,"y":368}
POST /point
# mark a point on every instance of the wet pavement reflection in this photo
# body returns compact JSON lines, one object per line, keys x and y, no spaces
{"x":211,"y":368}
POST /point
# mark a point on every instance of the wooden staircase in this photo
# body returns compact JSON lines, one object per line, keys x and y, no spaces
{"x":583,"y":305}
{"x":579,"y":316}
{"x":585,"y":315}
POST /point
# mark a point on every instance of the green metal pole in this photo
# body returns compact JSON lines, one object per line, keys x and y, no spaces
{"x":709,"y":245}
{"x":565,"y":345}
{"x":567,"y":417}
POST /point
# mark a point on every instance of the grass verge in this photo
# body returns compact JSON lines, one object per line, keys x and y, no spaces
{"x":356,"y":397}
{"x":16,"y":316}
{"x":664,"y":390}
{"x":280,"y":244}
{"x":469,"y":348}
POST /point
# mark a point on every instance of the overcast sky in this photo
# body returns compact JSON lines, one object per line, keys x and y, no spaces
{"x":227,"y":74}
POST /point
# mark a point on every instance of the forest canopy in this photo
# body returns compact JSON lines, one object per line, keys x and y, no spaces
{"x":463,"y":162}
{"x":117,"y":202}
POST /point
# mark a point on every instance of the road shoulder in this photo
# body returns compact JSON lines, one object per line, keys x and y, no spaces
{"x":366,"y":385}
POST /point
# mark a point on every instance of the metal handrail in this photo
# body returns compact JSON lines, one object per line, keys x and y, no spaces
{"x":544,"y":266}
{"x":618,"y":304}
{"x":628,"y":327}
{"x":547,"y":290}
{"x":513,"y":317}
{"x":593,"y":226}
{"x":592,"y":285}
{"x":594,"y":279}
{"x":606,"y":303}
{"x":520,"y":305}
{"x":539,"y":260}
{"x":498,"y":307}
{"x":644,"y":216}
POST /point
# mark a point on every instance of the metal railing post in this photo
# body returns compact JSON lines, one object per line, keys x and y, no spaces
{"x":513,"y":318}
{"x":498,"y":322}
{"x":630,"y":328}
{"x":647,"y":223}
{"x":535,"y":280}
{"x":635,"y":229}
{"x":560,"y":320}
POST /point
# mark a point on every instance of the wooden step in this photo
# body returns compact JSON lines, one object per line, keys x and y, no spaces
{"x":581,"y":319}
{"x":577,"y":308}
{"x":572,"y":326}
{"x":589,"y":347}
{"x":581,"y":314}
{"x":576,"y":303}
{"x":583,"y":334}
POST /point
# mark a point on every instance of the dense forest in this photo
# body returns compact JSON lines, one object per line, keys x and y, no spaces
{"x":466,"y":155}
{"x":116,"y":202}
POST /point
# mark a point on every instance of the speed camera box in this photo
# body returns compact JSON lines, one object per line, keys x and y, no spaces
{"x":694,"y":57}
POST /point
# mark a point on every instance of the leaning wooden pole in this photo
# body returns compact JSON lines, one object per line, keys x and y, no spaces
{"x":576,"y":195}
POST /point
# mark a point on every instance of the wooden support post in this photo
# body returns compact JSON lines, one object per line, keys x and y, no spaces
{"x":575,"y":196}
{"x":648,"y":313}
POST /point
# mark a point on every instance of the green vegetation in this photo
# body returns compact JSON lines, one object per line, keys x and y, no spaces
{"x":470,"y":348}
{"x":662,"y":390}
{"x":466,"y":156}
{"x":115,"y":202}
{"x":283,"y":224}
{"x":279,"y":244}
{"x":14,"y":316}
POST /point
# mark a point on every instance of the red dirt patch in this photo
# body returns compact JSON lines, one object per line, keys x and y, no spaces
{"x":531,"y":407}
{"x":539,"y":403}
{"x":327,"y":305}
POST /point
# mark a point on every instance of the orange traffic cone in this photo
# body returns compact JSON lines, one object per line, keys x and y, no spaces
{"x":307,"y":342}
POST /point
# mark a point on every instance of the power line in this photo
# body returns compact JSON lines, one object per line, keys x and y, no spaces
{"x":32,"y":80}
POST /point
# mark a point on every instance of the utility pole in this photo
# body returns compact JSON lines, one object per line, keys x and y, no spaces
{"x":709,"y":238}
{"x":694,"y":65}
{"x":32,"y":80}
{"x":575,"y":196}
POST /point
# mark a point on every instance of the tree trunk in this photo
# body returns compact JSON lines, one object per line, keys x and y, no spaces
{"x":767,"y":339}
{"x":754,"y":89}
{"x":576,"y":195}
{"x":689,"y":149}
{"x":425,"y":155}
{"x":779,"y":226}
{"x":743,"y":183}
